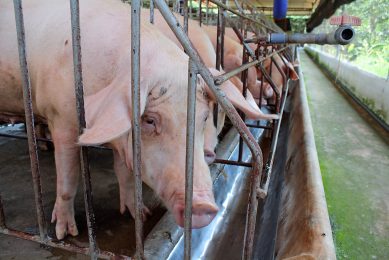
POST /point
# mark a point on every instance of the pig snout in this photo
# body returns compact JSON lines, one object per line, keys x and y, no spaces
{"x":204,"y":209}
{"x":209,"y":156}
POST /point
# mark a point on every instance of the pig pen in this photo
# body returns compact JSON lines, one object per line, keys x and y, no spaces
{"x":292,"y":221}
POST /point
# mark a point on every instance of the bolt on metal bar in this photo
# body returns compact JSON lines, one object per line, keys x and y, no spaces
{"x":2,"y":216}
{"x":28,"y":107}
{"x":79,"y":93}
{"x":257,"y":159}
{"x":152,"y":11}
{"x":190,"y":138}
{"x":136,"y":121}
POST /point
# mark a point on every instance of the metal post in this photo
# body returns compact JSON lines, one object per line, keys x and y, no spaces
{"x":2,"y":216}
{"x":190,"y":9}
{"x":207,"y":11}
{"x":152,"y":11}
{"x":185,"y":11}
{"x":190,"y":136}
{"x":32,"y":143}
{"x":79,"y":92}
{"x":136,"y":131}
{"x":200,"y":13}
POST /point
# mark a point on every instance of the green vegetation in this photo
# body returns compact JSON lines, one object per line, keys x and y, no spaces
{"x":370,"y":49}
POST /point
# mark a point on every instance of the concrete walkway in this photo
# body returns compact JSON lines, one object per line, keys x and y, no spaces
{"x":354,"y":162}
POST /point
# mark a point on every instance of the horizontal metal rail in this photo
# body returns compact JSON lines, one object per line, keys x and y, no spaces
{"x":226,"y":76}
{"x":60,"y":244}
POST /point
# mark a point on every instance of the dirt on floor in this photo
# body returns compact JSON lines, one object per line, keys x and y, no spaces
{"x":115,"y":232}
{"x":354,"y":160}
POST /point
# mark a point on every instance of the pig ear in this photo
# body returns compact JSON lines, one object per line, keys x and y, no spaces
{"x":107,"y":115}
{"x":248,"y":106}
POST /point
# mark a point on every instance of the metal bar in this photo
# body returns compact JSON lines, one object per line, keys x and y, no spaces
{"x":79,"y":93}
{"x":343,"y":35}
{"x":273,"y":147}
{"x":206,"y":12}
{"x":28,"y":107}
{"x":136,"y":121}
{"x":232,"y":115}
{"x":61,"y":245}
{"x":226,"y":76}
{"x":244,"y":81}
{"x":185,"y":11}
{"x":2,"y":216}
{"x":190,"y":9}
{"x":152,"y":11}
{"x":233,"y":162}
{"x":190,"y":138}
{"x":46,"y":140}
{"x":273,"y":86}
{"x":200,"y":13}
{"x":259,"y":126}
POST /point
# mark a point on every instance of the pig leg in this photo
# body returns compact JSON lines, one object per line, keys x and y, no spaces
{"x":67,"y":165}
{"x":126,"y":186}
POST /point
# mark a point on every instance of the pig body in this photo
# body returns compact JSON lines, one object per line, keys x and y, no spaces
{"x":105,"y":39}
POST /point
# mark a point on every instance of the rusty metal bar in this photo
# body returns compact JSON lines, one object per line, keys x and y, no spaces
{"x":136,"y":122}
{"x":61,"y":245}
{"x":152,"y":11}
{"x":79,"y":93}
{"x":2,"y":216}
{"x":233,"y":116}
{"x":190,"y":138}
{"x":28,"y":107}
{"x":220,"y":39}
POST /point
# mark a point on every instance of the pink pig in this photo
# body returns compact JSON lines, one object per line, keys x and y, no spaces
{"x":105,"y":36}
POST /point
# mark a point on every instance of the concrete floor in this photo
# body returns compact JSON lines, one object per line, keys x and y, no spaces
{"x":17,"y":194}
{"x":354,"y":161}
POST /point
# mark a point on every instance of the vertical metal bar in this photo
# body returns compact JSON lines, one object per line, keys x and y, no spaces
{"x":200,"y":13}
{"x":2,"y":216}
{"x":244,"y":81}
{"x":136,"y":131}
{"x":190,"y":136}
{"x":185,"y":11}
{"x":251,"y":214}
{"x":152,"y":11}
{"x":79,"y":92}
{"x":190,"y":9}
{"x":206,"y":12}
{"x":32,"y":143}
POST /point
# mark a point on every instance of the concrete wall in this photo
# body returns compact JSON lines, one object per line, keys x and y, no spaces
{"x":372,"y":90}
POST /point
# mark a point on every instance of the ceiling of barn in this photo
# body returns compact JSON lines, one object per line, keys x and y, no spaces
{"x":295,"y":7}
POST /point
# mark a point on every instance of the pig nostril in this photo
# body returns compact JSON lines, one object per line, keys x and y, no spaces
{"x":209,"y":156}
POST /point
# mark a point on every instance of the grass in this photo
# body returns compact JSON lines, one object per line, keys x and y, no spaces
{"x":379,"y":67}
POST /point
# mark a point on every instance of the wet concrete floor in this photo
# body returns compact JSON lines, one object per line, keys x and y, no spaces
{"x":354,"y":161}
{"x":115,"y":231}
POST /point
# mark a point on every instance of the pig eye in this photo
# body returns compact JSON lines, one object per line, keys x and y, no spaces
{"x":150,"y":124}
{"x":149,"y":121}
